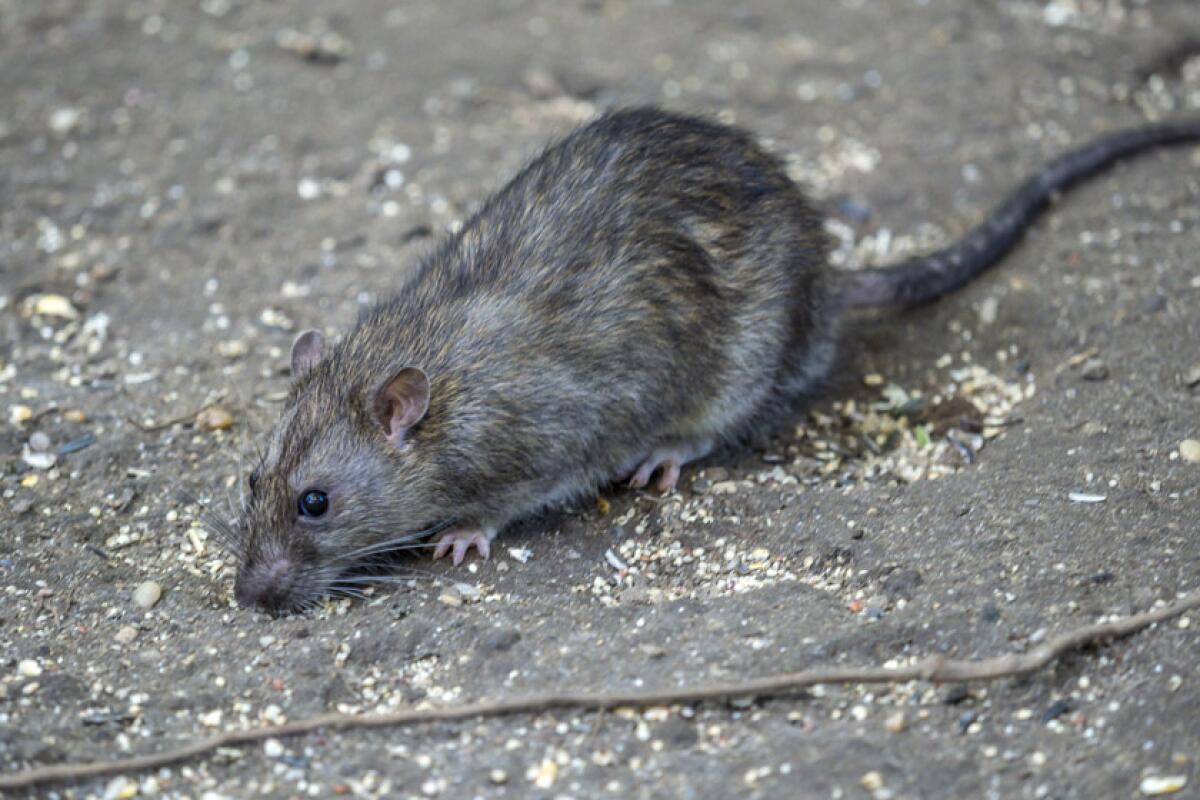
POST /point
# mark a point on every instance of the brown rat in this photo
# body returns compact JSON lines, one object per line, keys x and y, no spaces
{"x":648,"y":289}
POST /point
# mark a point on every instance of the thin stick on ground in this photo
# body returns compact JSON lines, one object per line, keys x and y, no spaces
{"x":932,"y":668}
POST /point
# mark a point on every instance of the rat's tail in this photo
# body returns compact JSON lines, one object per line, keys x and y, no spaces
{"x":928,"y":277}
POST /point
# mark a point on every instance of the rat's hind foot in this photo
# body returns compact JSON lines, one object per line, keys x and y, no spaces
{"x":667,"y":461}
{"x":461,"y":539}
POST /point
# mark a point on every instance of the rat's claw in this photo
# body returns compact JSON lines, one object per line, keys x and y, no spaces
{"x":460,"y":542}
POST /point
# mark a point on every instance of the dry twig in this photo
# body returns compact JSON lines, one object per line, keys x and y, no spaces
{"x":932,"y":668}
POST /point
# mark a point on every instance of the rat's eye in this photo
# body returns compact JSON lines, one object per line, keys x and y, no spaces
{"x":253,"y":479}
{"x":314,"y":503}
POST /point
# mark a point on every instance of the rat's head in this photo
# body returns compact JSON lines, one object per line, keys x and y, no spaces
{"x":341,"y":478}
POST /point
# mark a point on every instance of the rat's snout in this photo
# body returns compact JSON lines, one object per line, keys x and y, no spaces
{"x":267,"y":584}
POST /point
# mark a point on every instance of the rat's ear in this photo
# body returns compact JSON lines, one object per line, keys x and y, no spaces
{"x":307,"y":351}
{"x":401,"y":403}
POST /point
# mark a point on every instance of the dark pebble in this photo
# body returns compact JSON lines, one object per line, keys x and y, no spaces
{"x":965,"y":719}
{"x":902,"y":583}
{"x":499,"y":640}
{"x":989,"y":613}
{"x":106,"y":717}
{"x":299,"y":762}
{"x":1056,"y":710}
{"x":416,"y":232}
{"x":678,"y":732}
{"x":955,"y":693}
{"x":1154,"y":303}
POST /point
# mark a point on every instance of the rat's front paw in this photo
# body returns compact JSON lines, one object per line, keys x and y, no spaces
{"x":460,"y":540}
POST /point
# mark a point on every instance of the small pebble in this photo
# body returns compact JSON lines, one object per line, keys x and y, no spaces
{"x":987,"y":310}
{"x":1189,"y":450}
{"x":895,"y":723}
{"x":126,"y":635}
{"x":955,"y":693}
{"x":39,"y":441}
{"x":1191,"y":376}
{"x":1158,"y":785}
{"x":29,"y":668}
{"x":147,"y":594}
{"x":39,"y":460}
{"x":272,"y":748}
{"x":498,"y":776}
{"x":451,"y":597}
{"x":1094,"y":370}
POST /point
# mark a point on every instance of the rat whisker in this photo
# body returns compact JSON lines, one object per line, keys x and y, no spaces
{"x":399,"y":542}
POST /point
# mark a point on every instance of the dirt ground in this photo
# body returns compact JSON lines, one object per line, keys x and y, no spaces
{"x":184,"y":186}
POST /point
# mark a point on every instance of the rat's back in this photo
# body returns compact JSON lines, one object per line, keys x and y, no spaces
{"x":652,"y":283}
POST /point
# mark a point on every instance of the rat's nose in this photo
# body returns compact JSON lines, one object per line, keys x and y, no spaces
{"x":267,"y":585}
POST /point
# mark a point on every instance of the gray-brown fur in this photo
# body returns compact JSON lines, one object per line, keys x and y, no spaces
{"x":653,"y":280}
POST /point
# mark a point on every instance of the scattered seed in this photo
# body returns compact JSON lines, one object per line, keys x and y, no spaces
{"x":214,"y":418}
{"x":1189,"y":450}
{"x":544,"y":775}
{"x":1157,"y":785}
{"x":615,"y":561}
{"x":48,"y":305}
{"x":1083,"y":497}
{"x":872,"y":781}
